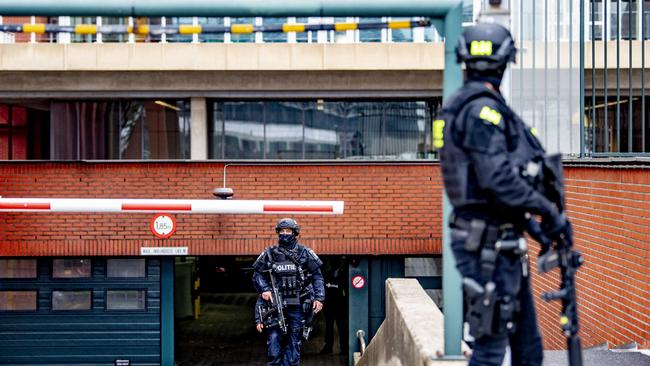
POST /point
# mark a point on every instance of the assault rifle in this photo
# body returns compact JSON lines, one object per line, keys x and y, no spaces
{"x":275,"y":309}
{"x":561,"y":255}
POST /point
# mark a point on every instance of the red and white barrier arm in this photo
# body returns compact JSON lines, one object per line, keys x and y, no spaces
{"x":214,"y":206}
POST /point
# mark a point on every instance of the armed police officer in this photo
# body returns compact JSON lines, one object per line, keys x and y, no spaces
{"x":490,"y":162}
{"x":288,"y":278}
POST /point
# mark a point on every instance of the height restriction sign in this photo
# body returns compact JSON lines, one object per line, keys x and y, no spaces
{"x":358,"y":282}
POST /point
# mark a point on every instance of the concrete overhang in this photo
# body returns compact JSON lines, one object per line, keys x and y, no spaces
{"x":217,"y":69}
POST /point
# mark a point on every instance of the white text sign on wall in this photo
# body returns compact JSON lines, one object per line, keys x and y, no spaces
{"x":163,"y":250}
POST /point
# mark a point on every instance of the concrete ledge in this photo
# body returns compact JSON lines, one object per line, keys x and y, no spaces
{"x":413,"y":331}
{"x":220,"y":56}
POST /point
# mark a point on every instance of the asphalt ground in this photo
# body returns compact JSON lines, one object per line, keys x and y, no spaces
{"x":225,"y":335}
{"x":599,"y":358}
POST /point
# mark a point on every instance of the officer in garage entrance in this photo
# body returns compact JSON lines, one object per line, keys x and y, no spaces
{"x":291,"y":273}
{"x":490,"y":162}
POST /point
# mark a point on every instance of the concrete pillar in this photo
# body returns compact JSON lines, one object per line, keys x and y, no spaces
{"x":198,"y":129}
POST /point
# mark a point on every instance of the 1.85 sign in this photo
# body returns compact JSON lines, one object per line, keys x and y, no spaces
{"x":163,"y":225}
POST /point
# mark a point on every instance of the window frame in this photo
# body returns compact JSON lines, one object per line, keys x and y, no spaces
{"x":71,"y":290}
{"x":90,"y":276}
{"x":36,"y":308}
{"x":146,"y":266}
{"x":143,"y":310}
{"x":20,"y":278}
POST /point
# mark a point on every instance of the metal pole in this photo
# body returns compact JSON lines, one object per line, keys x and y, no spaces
{"x":618,"y":75}
{"x":630,"y":121}
{"x":534,"y":64}
{"x":593,"y":72}
{"x":606,"y":107}
{"x":218,"y":8}
{"x":557,"y":74}
{"x":642,"y":76}
{"x":451,"y":285}
{"x":546,"y":73}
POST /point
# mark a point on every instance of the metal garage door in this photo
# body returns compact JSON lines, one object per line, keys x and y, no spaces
{"x":90,"y":311}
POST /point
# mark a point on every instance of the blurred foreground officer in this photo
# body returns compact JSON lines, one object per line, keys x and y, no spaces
{"x":490,"y":163}
{"x":288,"y":278}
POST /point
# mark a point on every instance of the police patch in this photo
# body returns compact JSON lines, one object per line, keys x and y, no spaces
{"x":490,"y":115}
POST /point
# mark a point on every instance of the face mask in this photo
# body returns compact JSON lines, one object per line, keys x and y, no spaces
{"x":286,"y":239}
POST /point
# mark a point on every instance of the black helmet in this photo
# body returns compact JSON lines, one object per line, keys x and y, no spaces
{"x":486,"y":47}
{"x":288,"y":223}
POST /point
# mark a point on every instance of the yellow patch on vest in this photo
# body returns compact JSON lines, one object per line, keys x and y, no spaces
{"x":438,"y":138}
{"x":490,"y":115}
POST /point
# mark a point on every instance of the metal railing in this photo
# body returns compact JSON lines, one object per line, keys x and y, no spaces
{"x":362,"y":341}
{"x":615,"y":125}
{"x":224,"y":29}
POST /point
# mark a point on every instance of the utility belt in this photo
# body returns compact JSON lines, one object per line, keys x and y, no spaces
{"x":487,"y":312}
{"x":504,"y":237}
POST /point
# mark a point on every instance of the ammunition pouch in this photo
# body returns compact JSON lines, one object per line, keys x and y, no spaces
{"x":480,"y":309}
{"x":487,"y":313}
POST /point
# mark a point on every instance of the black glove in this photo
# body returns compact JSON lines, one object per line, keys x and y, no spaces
{"x":558,"y":228}
{"x":535,"y":231}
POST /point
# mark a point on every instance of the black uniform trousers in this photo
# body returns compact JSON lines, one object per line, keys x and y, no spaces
{"x":526,"y":342}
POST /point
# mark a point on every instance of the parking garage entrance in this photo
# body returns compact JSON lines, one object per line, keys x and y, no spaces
{"x":214,"y":302}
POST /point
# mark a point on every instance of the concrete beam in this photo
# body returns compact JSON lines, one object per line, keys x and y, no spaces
{"x":220,"y":56}
{"x":198,"y":129}
{"x":222,"y":84}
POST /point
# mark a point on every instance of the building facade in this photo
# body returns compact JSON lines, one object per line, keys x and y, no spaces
{"x":317,"y":116}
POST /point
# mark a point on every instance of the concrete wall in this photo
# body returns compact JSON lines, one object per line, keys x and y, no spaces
{"x":412,"y":333}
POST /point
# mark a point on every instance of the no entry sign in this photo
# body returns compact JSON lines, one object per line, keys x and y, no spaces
{"x":358,"y":282}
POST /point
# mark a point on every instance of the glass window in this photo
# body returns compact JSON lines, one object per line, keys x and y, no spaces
{"x":18,"y":300}
{"x":71,"y":300}
{"x":120,"y":129}
{"x":18,"y":268}
{"x":124,"y":268}
{"x":24,"y":132}
{"x":321,"y":130}
{"x":71,"y":268}
{"x":125,"y":299}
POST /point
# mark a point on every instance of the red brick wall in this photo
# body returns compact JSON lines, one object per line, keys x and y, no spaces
{"x":610,"y":211}
{"x":389,"y":209}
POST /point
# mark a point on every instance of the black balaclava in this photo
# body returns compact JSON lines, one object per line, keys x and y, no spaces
{"x":287,"y":241}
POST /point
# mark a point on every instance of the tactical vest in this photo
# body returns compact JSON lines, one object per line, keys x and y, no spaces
{"x":287,"y":277}
{"x":458,"y":173}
